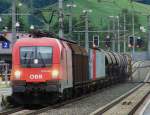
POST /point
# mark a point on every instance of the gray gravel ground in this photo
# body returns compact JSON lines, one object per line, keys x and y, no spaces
{"x":5,"y":92}
{"x":90,"y":104}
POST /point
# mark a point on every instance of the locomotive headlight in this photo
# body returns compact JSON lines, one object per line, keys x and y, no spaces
{"x":17,"y":74}
{"x":55,"y":74}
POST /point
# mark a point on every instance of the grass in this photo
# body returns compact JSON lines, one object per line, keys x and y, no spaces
{"x":102,"y":10}
{"x":111,"y":7}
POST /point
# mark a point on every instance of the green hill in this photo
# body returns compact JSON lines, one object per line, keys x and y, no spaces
{"x":99,"y":17}
{"x":106,"y":8}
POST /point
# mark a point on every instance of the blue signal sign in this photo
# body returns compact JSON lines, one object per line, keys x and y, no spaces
{"x":5,"y":45}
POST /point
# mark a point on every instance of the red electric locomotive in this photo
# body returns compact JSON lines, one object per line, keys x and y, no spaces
{"x":46,"y":69}
{"x":41,"y":68}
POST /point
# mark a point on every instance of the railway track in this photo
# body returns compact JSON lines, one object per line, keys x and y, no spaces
{"x":127,"y":103}
{"x":10,"y":111}
{"x":21,"y":110}
{"x":135,"y":67}
{"x":55,"y":106}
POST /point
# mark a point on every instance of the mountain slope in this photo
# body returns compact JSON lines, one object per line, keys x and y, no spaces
{"x":99,"y":17}
{"x":112,"y":7}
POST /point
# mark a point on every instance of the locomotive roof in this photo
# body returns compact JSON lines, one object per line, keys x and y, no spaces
{"x":35,"y":41}
{"x":45,"y":41}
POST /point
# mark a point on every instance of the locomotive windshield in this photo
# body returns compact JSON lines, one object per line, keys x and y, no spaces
{"x":35,"y":57}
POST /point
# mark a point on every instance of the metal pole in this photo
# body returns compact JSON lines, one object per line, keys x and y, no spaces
{"x":13,"y":21}
{"x":61,"y":19}
{"x":149,"y":36}
{"x":124,"y":33}
{"x":109,"y":28}
{"x":113,"y":41}
{"x":79,"y":38}
{"x":6,"y":70}
{"x":31,"y":6}
{"x":86,"y":32}
{"x":17,"y":20}
{"x":118,"y":34}
{"x":70,"y":22}
{"x":109,"y":34}
{"x":133,"y":49}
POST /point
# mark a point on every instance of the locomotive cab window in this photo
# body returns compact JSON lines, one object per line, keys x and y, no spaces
{"x":36,"y":56}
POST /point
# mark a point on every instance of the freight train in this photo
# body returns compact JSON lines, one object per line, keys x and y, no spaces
{"x":46,"y":69}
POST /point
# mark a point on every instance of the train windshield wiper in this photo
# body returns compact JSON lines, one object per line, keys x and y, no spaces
{"x":25,"y":58}
{"x":44,"y":65}
{"x":29,"y":62}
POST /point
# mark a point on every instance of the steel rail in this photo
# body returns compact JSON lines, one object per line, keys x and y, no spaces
{"x":110,"y":105}
{"x":9,"y":111}
{"x":58,"y":105}
{"x":64,"y":103}
{"x":116,"y":101}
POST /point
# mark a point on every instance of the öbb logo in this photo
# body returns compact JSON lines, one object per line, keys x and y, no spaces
{"x":35,"y":76}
